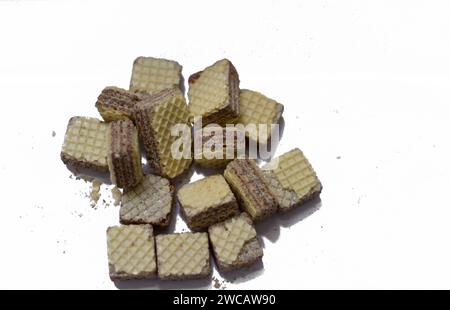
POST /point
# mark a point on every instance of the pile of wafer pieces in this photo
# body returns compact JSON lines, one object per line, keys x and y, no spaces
{"x":219,"y":209}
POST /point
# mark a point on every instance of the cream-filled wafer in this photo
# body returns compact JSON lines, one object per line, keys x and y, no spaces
{"x":293,"y":180}
{"x":131,"y":252}
{"x":183,"y":256}
{"x":218,"y":146}
{"x":259,"y":111}
{"x":155,"y":117}
{"x":124,"y":157}
{"x":207,"y":201}
{"x":86,"y":144}
{"x":214,"y":93}
{"x":116,"y":103}
{"x":151,"y":75}
{"x":251,"y":188}
{"x":235,"y":243}
{"x":150,"y":202}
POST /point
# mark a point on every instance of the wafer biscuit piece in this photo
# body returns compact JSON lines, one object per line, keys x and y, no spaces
{"x":131,"y":252}
{"x":155,"y":117}
{"x":85,"y":144}
{"x":183,"y":256}
{"x":207,"y":201}
{"x":214,"y":93}
{"x":293,"y":181}
{"x":251,"y":188}
{"x":116,"y":103}
{"x":150,"y":202}
{"x":260,"y":111}
{"x":218,"y":146}
{"x":124,"y":157}
{"x":235,"y":243}
{"x":151,"y":75}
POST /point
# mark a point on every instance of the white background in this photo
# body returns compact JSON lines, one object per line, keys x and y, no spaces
{"x":366,"y":89}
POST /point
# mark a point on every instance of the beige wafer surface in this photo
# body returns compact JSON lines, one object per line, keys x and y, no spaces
{"x":131,"y":252}
{"x":85,"y":143}
{"x":151,"y":75}
{"x":211,"y":91}
{"x":295,"y":173}
{"x":183,"y":256}
{"x":257,"y":109}
{"x":211,"y":197}
{"x":228,"y":238}
{"x":149,"y":202}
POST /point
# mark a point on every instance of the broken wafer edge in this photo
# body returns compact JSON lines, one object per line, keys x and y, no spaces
{"x":207,"y":201}
{"x":124,"y":157}
{"x":235,"y":243}
{"x":214,"y":93}
{"x":115,"y":103}
{"x":292,"y":179}
{"x":251,"y":188}
{"x":85,"y":144}
{"x":150,"y":202}
{"x":131,"y":252}
{"x":151,"y":75}
{"x":182,"y":256}
{"x":156,"y":116}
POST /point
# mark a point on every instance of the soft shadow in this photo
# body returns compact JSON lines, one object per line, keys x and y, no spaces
{"x":208,"y":171}
{"x":244,"y":274}
{"x":269,"y":228}
{"x":300,"y":213}
{"x":88,"y":174}
{"x":183,"y":178}
{"x":200,"y":284}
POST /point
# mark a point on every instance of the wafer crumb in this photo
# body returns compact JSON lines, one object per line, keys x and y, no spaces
{"x":117,"y":195}
{"x":95,"y":192}
{"x":53,"y":133}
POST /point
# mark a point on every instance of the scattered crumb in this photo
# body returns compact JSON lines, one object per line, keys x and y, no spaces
{"x":53,"y":133}
{"x":95,"y":193}
{"x":117,"y":195}
{"x":321,"y":227}
{"x":64,"y":252}
{"x":216,"y":283}
{"x":71,"y":176}
{"x":338,"y":157}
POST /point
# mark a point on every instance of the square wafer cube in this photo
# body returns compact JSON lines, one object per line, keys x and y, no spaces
{"x":150,"y":202}
{"x":151,"y":75}
{"x":116,"y":103}
{"x":131,"y":252}
{"x":293,"y":180}
{"x":86,"y":144}
{"x":214,"y":93}
{"x":183,"y":256}
{"x":235,"y":243}
{"x":216,"y":146}
{"x":156,"y":116}
{"x":260,"y":111}
{"x":207,"y":201}
{"x":251,"y":188}
{"x":124,"y":156}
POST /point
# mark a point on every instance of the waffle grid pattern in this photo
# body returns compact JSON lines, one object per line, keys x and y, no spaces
{"x":228,"y":238}
{"x":255,"y":108}
{"x":131,"y":249}
{"x":166,"y":115}
{"x":295,"y":172}
{"x":182,"y":255}
{"x":86,"y":140}
{"x":149,"y":202}
{"x":151,"y":75}
{"x":210,"y":92}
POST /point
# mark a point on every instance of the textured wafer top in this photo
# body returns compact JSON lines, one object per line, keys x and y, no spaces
{"x":203,"y":194}
{"x":229,"y":237}
{"x":131,"y":251}
{"x":257,"y":109}
{"x":155,"y":117}
{"x":85,"y":143}
{"x":149,"y":202}
{"x":183,"y":256}
{"x":116,"y":103}
{"x":214,"y":93}
{"x":151,"y":75}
